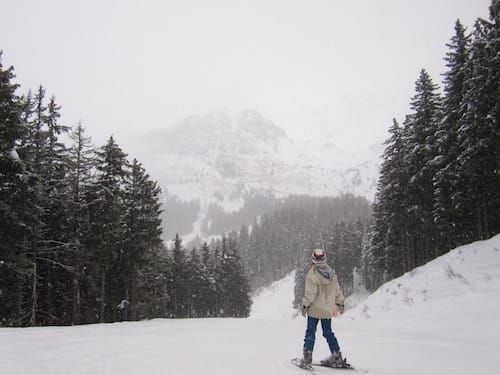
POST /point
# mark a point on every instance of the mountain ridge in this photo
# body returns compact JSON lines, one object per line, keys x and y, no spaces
{"x":222,"y":157}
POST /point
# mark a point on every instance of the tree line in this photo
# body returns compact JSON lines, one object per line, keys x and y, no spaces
{"x":277,"y":243}
{"x":80,"y":228}
{"x":439,"y":185}
{"x":209,"y":282}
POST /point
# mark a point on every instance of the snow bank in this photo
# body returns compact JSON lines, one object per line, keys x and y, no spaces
{"x":275,"y":302}
{"x":455,"y":279}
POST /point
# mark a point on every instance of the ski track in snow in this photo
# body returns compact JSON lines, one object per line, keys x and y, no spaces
{"x":442,"y":318}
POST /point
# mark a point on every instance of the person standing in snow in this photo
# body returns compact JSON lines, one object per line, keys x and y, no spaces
{"x":322,"y":295}
{"x":123,"y":308}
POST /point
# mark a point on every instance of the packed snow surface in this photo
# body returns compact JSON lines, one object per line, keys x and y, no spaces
{"x":442,"y":318}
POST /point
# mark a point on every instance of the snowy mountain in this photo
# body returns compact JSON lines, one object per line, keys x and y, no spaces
{"x":440,"y":319}
{"x":222,"y":158}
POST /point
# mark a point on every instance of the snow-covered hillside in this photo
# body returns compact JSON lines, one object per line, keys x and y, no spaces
{"x":221,"y":158}
{"x":275,"y":301}
{"x":225,"y":155}
{"x":441,"y":319}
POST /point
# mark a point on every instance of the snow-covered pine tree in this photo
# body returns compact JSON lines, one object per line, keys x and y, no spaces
{"x":343,"y":248}
{"x":16,"y":209}
{"x":178,"y":284}
{"x":194,"y":284}
{"x":222,"y":278}
{"x":151,"y":293}
{"x":449,"y":229}
{"x":45,"y":161}
{"x":237,"y":287}
{"x":81,"y":161}
{"x":420,"y":144}
{"x":55,"y":270}
{"x":477,"y":197}
{"x":32,"y":148}
{"x":256,"y":256}
{"x":389,"y":246}
{"x":142,"y":236}
{"x":104,"y":202}
{"x":243,"y":242}
{"x":206,"y":296}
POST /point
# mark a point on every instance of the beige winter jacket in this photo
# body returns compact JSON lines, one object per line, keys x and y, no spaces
{"x":322,"y":292}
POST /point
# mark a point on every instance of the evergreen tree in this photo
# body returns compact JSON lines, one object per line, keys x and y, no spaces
{"x":447,"y":179}
{"x":104,"y":202}
{"x":16,"y":211}
{"x":243,"y":241}
{"x":419,"y":138}
{"x":44,"y":161}
{"x":300,"y":278}
{"x":391,"y":232}
{"x":206,"y":295}
{"x":370,"y":269}
{"x":33,"y":149}
{"x":142,"y":237}
{"x":237,"y":287}
{"x":194,"y":285}
{"x":178,"y":284}
{"x":218,"y":280}
{"x":55,"y":271}
{"x":82,"y":160}
{"x":150,"y":290}
{"x":477,"y":197}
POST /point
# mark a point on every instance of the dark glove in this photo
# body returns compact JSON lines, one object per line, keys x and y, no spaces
{"x":340,"y":308}
{"x":304,"y":311}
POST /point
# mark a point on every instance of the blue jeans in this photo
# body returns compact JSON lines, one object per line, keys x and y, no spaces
{"x":326,"y":325}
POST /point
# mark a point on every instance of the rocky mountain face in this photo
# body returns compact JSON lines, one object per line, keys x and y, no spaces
{"x":224,"y":161}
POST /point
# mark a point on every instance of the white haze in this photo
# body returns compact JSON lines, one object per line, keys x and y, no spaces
{"x":123,"y":66}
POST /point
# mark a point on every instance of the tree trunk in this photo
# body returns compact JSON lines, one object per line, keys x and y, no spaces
{"x":50,"y":294}
{"x":478,"y":224}
{"x":76,"y":297}
{"x":103,"y":295}
{"x":133,"y":302}
{"x":34,"y":296}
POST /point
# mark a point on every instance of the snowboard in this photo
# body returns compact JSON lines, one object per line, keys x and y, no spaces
{"x":310,"y":368}
{"x":296,"y":362}
{"x":347,"y":366}
{"x":343,"y":366}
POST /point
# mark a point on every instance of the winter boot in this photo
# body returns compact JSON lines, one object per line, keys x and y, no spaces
{"x":334,"y":360}
{"x":306,"y":361}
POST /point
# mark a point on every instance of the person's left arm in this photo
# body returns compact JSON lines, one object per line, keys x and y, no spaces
{"x":339,"y":296}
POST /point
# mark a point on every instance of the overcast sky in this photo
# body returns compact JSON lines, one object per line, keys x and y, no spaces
{"x":123,"y":66}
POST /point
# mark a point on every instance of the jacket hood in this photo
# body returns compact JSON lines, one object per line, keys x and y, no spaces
{"x":325,"y":271}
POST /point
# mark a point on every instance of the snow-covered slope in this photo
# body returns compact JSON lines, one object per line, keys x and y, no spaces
{"x":456,"y":283}
{"x":453,"y":328}
{"x":223,"y":157}
{"x":275,"y":301}
{"x":224,"y":154}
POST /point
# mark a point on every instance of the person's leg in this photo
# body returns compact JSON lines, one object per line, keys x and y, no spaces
{"x":309,"y":339}
{"x":310,"y":336}
{"x":326,"y":325}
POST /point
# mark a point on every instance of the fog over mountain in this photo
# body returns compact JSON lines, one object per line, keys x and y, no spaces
{"x":224,"y":159}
